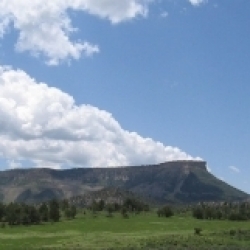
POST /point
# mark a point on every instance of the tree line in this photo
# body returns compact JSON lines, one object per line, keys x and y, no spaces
{"x":234,"y":211}
{"x":27,"y":214}
{"x":130,"y":205}
{"x":224,"y":211}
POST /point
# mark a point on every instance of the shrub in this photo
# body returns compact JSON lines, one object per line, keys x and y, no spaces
{"x":124,"y":213}
{"x":165,"y":212}
{"x":109,"y":215}
{"x":232,"y":232}
{"x":197,"y":230}
{"x":198,"y":213}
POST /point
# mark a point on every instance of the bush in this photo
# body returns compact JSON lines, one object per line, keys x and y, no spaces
{"x":165,"y":212}
{"x":198,"y":213}
{"x":232,"y":232}
{"x":109,"y":215}
{"x":197,"y":231}
{"x":125,"y":216}
{"x":124,"y":213}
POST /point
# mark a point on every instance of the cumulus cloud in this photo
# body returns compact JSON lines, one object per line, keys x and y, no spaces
{"x":234,"y":169}
{"x":197,"y":2}
{"x":209,"y":169}
{"x":43,"y":125}
{"x":45,"y":27}
{"x":14,"y":164}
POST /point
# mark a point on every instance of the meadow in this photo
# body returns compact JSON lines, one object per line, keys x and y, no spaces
{"x":142,"y":231}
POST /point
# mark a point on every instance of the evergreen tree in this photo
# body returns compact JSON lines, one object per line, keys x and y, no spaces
{"x":166,"y":211}
{"x":2,"y":211}
{"x":70,"y":213}
{"x":64,"y":204}
{"x":34,"y":215}
{"x":44,"y":212}
{"x":54,"y":211}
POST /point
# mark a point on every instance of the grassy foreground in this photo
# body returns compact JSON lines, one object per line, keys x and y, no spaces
{"x":143,"y":231}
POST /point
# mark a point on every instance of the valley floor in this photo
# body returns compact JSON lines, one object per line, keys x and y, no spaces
{"x":143,"y":231}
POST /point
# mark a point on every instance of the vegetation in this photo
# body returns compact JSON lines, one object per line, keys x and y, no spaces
{"x":129,"y":204}
{"x":204,"y":226}
{"x":144,"y":231}
{"x":165,"y":211}
{"x":15,"y":214}
{"x":237,"y":211}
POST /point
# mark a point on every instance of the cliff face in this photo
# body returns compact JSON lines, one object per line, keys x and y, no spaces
{"x":179,"y":181}
{"x":191,"y":164}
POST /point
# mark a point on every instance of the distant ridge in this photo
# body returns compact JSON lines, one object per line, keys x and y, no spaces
{"x":175,"y":182}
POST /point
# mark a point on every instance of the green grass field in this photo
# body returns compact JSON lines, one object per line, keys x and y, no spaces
{"x":143,"y":231}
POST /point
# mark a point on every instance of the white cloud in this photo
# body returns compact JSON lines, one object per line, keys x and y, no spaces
{"x":221,"y":178}
{"x":197,"y":2}
{"x":209,"y":169}
{"x":45,"y":26}
{"x":43,"y":125}
{"x":234,"y":169}
{"x":164,"y":14}
{"x":14,"y":164}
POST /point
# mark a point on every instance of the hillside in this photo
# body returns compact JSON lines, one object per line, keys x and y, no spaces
{"x":179,"y":181}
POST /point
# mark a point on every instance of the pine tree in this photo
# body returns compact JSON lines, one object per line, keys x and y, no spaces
{"x":44,"y":212}
{"x":54,"y":211}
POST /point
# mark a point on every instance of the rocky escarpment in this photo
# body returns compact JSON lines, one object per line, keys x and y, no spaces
{"x":177,"y":181}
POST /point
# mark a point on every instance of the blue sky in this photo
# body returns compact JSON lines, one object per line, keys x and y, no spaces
{"x":123,"y":84}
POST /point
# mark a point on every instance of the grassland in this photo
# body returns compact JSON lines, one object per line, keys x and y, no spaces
{"x":143,"y":231}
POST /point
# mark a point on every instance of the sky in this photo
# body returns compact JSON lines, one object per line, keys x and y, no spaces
{"x":88,"y":83}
